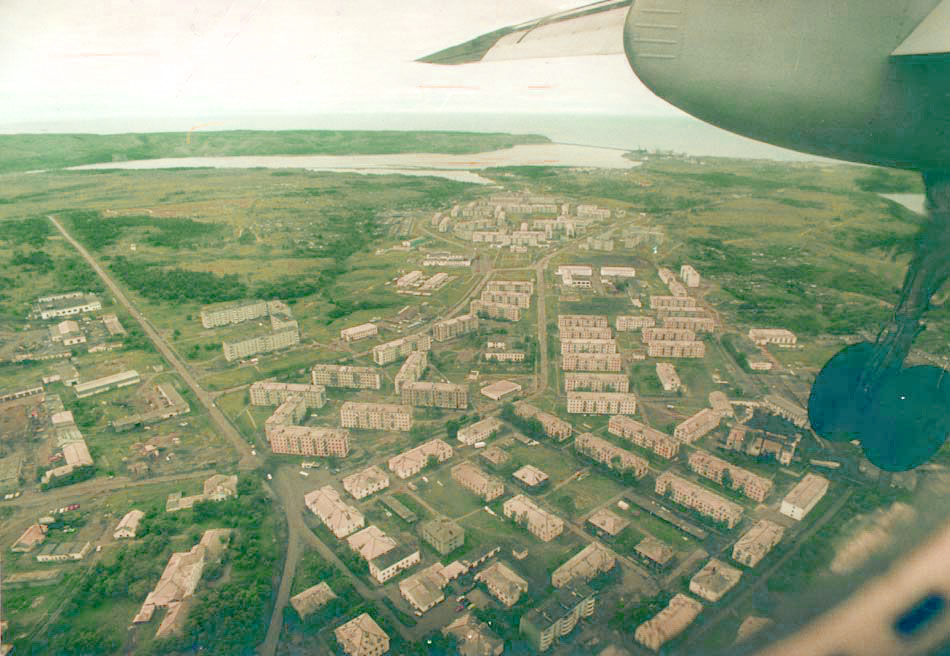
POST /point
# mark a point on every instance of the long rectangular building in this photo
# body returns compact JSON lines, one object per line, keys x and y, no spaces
{"x":411,"y":370}
{"x":757,"y":542}
{"x":601,"y":403}
{"x":336,"y":375}
{"x":106,"y":383}
{"x":434,"y":395}
{"x":606,"y":453}
{"x":450,"y":328}
{"x":234,"y":350}
{"x":585,"y":332}
{"x":668,"y":623}
{"x":495,"y":310}
{"x":643,"y":436}
{"x":593,"y":382}
{"x":668,"y":335}
{"x":728,"y":475}
{"x":592,"y":362}
{"x":523,"y":301}
{"x":588,"y":346}
{"x":697,"y":426}
{"x":65,"y":305}
{"x":355,"y":333}
{"x":477,"y":481}
{"x":553,"y":426}
{"x":702,"y":324}
{"x":266,"y":392}
{"x":540,"y":523}
{"x":213,"y":316}
{"x":582,"y":320}
{"x":479,"y":431}
{"x":694,"y":349}
{"x":519,"y":286}
{"x":627,"y":323}
{"x":703,"y":501}
{"x":320,"y":441}
{"x":804,"y":496}
{"x":411,"y":462}
{"x":376,"y":416}
{"x":400,"y":348}
{"x":672,"y":302}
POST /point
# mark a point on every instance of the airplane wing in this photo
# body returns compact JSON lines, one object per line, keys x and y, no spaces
{"x":932,"y":36}
{"x":595,"y":29}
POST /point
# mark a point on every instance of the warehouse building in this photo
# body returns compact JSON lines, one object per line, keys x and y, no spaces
{"x":356,"y":333}
{"x":107,"y":383}
{"x":66,"y":305}
{"x":804,"y":496}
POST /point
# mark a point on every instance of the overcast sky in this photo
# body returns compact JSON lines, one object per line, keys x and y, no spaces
{"x":68,"y":61}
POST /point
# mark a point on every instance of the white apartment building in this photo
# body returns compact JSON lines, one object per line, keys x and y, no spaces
{"x":779,"y":336}
{"x":585,"y":332}
{"x":804,"y":496}
{"x":601,"y":403}
{"x":702,"y":324}
{"x":519,"y":286}
{"x":495,"y":310}
{"x":519,"y":299}
{"x":617,"y":272}
{"x":450,"y":328}
{"x":434,"y":395}
{"x":582,"y":321}
{"x":672,"y":302}
{"x":657,"y":334}
{"x":244,"y":348}
{"x":588,"y":346}
{"x":676,"y":349}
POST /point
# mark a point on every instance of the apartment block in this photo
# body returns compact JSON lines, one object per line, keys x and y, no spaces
{"x":553,"y":426}
{"x":786,"y":409}
{"x":643,"y":436}
{"x":376,"y":416}
{"x":714,"y":580}
{"x":780,"y":336}
{"x":234,"y":350}
{"x":629,"y":323}
{"x":701,"y":324}
{"x":434,"y":395}
{"x":586,"y":332}
{"x":361,"y":636}
{"x":588,"y":346}
{"x":592,"y":362}
{"x":557,"y":616}
{"x":443,"y":534}
{"x":588,"y":382}
{"x":667,"y":335}
{"x":582,"y":320}
{"x":757,"y":542}
{"x":519,"y":286}
{"x":400,"y":558}
{"x":451,"y":328}
{"x":672,"y":302}
{"x":601,"y":403}
{"x":340,"y":518}
{"x":477,"y":481}
{"x":518,"y":299}
{"x":719,"y":402}
{"x":669,"y":379}
{"x":495,"y":310}
{"x":336,"y":375}
{"x":700,"y":424}
{"x":689,"y":275}
{"x":213,"y":316}
{"x":356,"y":333}
{"x":502,"y":582}
{"x":676,"y":349}
{"x":66,"y":305}
{"x":265,"y":392}
{"x":592,"y":212}
{"x":364,"y":483}
{"x":668,"y":623}
{"x":539,"y":522}
{"x":804,"y":496}
{"x":318,"y":441}
{"x":694,"y":496}
{"x":728,"y":475}
{"x":400,"y":348}
{"x":479,"y":431}
{"x":590,"y":561}
{"x":411,"y":462}
{"x":606,"y":453}
{"x":411,"y":370}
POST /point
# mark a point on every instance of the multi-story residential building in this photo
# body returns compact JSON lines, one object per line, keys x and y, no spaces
{"x":588,"y":346}
{"x":592,"y":362}
{"x":696,"y":324}
{"x":106,"y":383}
{"x":590,"y":561}
{"x":318,"y":441}
{"x":518,"y":299}
{"x":601,"y":403}
{"x":591,"y":382}
{"x":266,"y":392}
{"x":672,"y":302}
{"x":411,"y":370}
{"x":719,"y":402}
{"x":361,"y":636}
{"x":728,"y":475}
{"x":66,"y":305}
{"x":376,"y":416}
{"x":757,"y":542}
{"x":540,"y":523}
{"x":628,"y":323}
{"x":473,"y":637}
{"x":553,"y":426}
{"x":695,"y":427}
{"x":502,"y":582}
{"x":505,"y":356}
{"x":477,"y":482}
{"x":607,"y":521}
{"x":531,"y":477}
{"x":520,"y":286}
{"x":668,"y":623}
{"x":450,"y":328}
{"x":669,"y":379}
{"x":479,"y":431}
{"x":424,"y":589}
{"x":495,"y":310}
{"x":400,"y":348}
{"x":355,"y":333}
{"x":600,"y":244}
{"x":789,"y":410}
{"x":336,"y":375}
{"x":223,"y":314}
{"x":592,"y":212}
{"x":642,"y":435}
{"x":676,"y":289}
{"x":443,"y":534}
{"x":689,"y":275}
{"x":411,"y":462}
{"x":610,"y":455}
{"x":655,"y":551}
{"x":557,"y":616}
{"x":703,"y":501}
{"x":586,"y":332}
{"x":714,"y":580}
{"x":582,"y":320}
{"x":695,"y":349}
{"x":780,"y":336}
{"x":267,"y":343}
{"x":434,"y":395}
{"x":402,"y":557}
{"x":804,"y":496}
{"x":336,"y":515}
{"x":370,"y":542}
{"x":656,"y":334}
{"x":366,"y":482}
{"x":291,"y":411}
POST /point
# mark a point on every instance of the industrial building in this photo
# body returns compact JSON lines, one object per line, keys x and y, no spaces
{"x":594,"y":382}
{"x":434,"y":395}
{"x":804,"y":496}
{"x":336,"y":375}
{"x":694,"y":496}
{"x":66,"y":305}
{"x":451,"y":328}
{"x":107,"y":383}
{"x":697,"y":426}
{"x":500,"y":389}
{"x":400,"y":348}
{"x":644,"y":436}
{"x":606,"y":453}
{"x":376,"y":416}
{"x":728,"y":475}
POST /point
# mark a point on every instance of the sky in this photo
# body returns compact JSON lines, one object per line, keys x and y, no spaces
{"x":64,"y":62}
